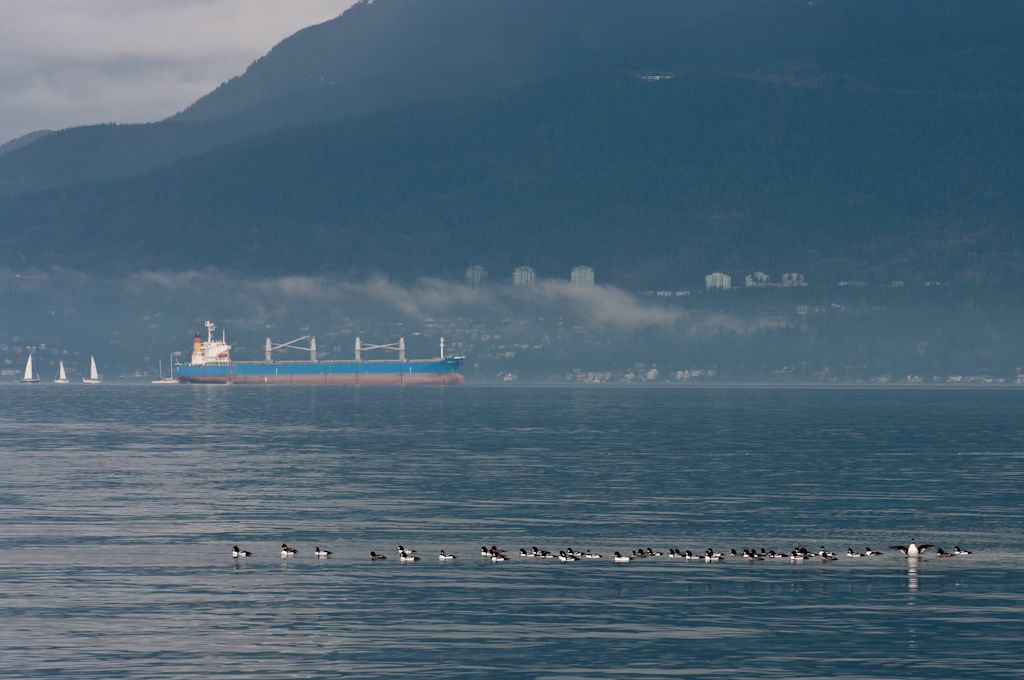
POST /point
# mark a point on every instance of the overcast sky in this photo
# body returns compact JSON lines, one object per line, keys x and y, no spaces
{"x":77,"y":62}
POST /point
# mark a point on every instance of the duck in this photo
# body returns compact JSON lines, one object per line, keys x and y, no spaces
{"x":406,"y":556}
{"x":653,"y":553}
{"x":564,"y":556}
{"x":618,"y":557}
{"x":375,"y":556}
{"x":286,"y":551}
{"x":444,"y":556}
{"x":958,"y":551}
{"x":826,"y":553}
{"x":590,"y":555}
{"x":498,"y":557}
{"x":236,"y":552}
{"x":912,"y":550}
{"x":691,"y":556}
{"x":321,"y":553}
{"x":710,"y":555}
{"x":868,"y":551}
{"x":523,"y":553}
{"x":402,"y":549}
{"x":851,"y":553}
{"x":942,"y":553}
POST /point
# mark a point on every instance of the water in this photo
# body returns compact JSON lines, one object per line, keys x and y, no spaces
{"x":119,"y":506}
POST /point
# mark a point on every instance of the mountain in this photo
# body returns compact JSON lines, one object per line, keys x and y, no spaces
{"x":391,"y":52}
{"x":845,"y":140}
{"x":24,"y":140}
{"x":375,"y":56}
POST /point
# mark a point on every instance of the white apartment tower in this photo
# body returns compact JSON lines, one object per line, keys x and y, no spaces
{"x":524,"y":276}
{"x":582,"y":276}
{"x":718,"y":280}
{"x":475,"y":275}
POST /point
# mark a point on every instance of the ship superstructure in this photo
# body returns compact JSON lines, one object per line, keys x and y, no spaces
{"x":212,"y":352}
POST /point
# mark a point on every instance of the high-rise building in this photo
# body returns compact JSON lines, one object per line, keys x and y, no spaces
{"x":475,"y":275}
{"x":582,"y":276}
{"x":718,"y":280}
{"x":524,"y":276}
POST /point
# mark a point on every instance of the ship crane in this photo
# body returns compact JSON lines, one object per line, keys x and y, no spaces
{"x":397,"y":346}
{"x":291,"y":345}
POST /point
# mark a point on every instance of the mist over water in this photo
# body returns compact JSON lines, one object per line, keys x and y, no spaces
{"x":551,"y":332}
{"x":121,"y":504}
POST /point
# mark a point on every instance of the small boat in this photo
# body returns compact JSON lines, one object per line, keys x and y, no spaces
{"x":62,"y":377}
{"x":163,"y":380}
{"x":94,"y":377}
{"x":28,"y":372}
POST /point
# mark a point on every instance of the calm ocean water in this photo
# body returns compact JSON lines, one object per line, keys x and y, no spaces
{"x":120,"y":504}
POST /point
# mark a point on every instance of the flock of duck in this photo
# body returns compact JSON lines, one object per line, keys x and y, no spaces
{"x":496,"y":554}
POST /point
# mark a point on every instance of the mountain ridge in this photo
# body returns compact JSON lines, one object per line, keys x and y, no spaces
{"x":807,"y":159}
{"x":372,"y":57}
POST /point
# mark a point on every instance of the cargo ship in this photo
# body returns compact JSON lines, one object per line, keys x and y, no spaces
{"x":211,"y":363}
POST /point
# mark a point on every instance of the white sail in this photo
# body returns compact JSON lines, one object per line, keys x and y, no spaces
{"x":62,"y":377}
{"x":28,"y":371}
{"x":162,"y":380}
{"x":94,"y":377}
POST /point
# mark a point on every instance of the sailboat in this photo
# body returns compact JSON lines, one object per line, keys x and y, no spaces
{"x":163,"y":380}
{"x":62,"y":377}
{"x":94,"y":377}
{"x":28,"y":372}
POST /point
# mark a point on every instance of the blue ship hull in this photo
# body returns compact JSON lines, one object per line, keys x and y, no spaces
{"x":434,"y":372}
